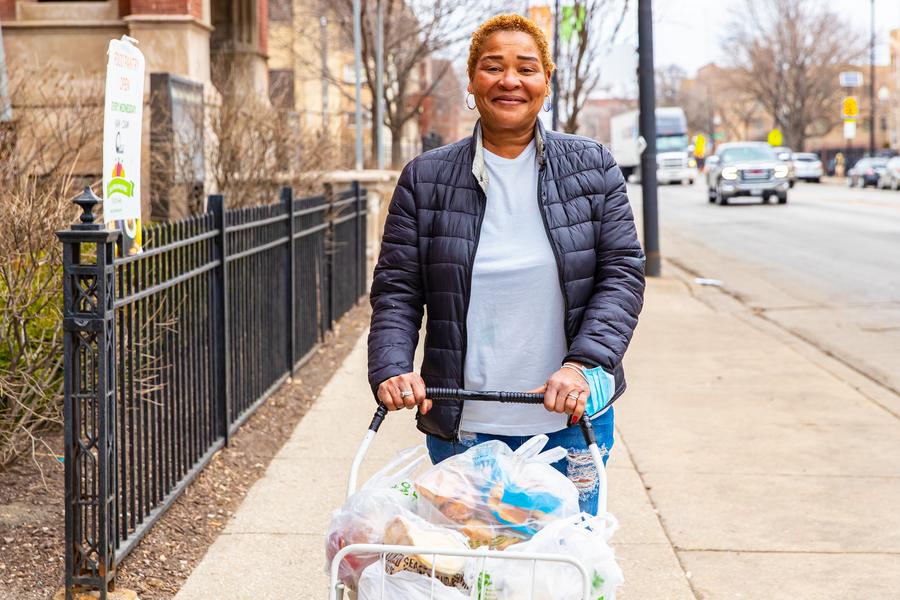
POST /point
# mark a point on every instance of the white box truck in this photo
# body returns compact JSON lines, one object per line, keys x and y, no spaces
{"x":674,"y":163}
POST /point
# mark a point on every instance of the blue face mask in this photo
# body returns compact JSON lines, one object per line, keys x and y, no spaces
{"x":603,"y":386}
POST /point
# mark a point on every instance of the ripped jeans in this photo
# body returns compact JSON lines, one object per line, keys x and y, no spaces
{"x":578,"y":466}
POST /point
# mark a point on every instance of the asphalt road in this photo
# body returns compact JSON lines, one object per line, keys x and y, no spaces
{"x":825,"y":267}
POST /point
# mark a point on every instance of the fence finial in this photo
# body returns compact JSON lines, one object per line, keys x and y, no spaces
{"x":87,"y":200}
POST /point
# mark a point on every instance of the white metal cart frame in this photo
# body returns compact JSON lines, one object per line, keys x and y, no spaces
{"x":336,"y":589}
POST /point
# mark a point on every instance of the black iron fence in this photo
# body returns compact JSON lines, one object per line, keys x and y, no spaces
{"x":169,"y":351}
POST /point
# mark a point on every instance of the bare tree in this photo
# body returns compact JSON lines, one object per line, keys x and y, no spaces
{"x":414,"y":30}
{"x":669,"y":80}
{"x":587,"y":29}
{"x":253,"y":149}
{"x":787,"y":55}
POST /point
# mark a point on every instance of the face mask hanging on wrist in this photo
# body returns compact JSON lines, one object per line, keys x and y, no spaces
{"x":603,"y":386}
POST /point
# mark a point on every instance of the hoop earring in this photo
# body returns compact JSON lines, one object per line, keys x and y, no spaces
{"x":473,"y":101}
{"x":548,"y":104}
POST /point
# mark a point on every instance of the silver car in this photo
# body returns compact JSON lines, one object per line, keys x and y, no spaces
{"x":746,"y":169}
{"x":890,"y":176}
{"x":808,"y":166}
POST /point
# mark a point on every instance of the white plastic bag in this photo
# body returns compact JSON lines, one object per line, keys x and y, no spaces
{"x":583,"y":536}
{"x":409,"y":530}
{"x":363,"y":517}
{"x":497,"y":497}
{"x":375,"y":584}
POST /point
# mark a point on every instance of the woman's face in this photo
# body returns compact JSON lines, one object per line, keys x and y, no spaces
{"x":509,"y":83}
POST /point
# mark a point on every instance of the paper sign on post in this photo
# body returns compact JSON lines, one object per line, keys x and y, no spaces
{"x":122,"y":119}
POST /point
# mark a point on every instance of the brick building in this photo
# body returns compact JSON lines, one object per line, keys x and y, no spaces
{"x":442,"y":109}
{"x":212,"y":44}
{"x":596,"y":113}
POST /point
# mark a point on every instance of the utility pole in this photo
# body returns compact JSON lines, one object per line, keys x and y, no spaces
{"x":554,"y":99}
{"x":357,"y":54}
{"x":872,"y":79}
{"x":379,"y":84}
{"x":647,"y":87}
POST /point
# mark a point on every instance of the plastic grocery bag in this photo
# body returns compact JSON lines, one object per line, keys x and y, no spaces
{"x":375,"y":584}
{"x":497,"y":497}
{"x":583,"y":536}
{"x":363,"y":517}
{"x":409,"y":530}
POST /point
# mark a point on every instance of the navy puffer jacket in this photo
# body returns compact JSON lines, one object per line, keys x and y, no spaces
{"x":428,"y":249}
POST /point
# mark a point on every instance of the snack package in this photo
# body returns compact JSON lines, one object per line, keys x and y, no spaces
{"x":363,"y":517}
{"x":497,"y":497}
{"x":583,"y":536}
{"x":375,"y":584}
{"x":410,"y":530}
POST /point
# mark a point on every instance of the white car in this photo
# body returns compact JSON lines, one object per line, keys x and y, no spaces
{"x":890,"y":177}
{"x":808,"y":166}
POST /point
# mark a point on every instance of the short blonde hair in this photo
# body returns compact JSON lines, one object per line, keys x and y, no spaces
{"x":510,"y":22}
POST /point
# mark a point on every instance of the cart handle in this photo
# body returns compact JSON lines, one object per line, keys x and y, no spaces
{"x":440,"y":393}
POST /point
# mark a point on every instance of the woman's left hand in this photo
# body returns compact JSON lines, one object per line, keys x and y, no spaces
{"x":565,"y":392}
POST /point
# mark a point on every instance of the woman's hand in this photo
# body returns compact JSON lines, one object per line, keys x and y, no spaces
{"x":565,"y":392}
{"x":404,"y":391}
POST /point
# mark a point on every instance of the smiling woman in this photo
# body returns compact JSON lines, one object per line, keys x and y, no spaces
{"x":521,"y":244}
{"x":509,"y":76}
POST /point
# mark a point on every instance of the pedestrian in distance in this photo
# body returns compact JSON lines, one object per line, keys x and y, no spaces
{"x":521,"y":244}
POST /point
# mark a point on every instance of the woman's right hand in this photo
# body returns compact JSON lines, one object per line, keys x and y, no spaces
{"x":391,"y":392}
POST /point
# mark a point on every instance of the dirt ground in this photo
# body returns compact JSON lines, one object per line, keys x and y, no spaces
{"x":32,"y":493}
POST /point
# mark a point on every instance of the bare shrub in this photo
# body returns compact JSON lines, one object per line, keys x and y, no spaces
{"x":255,"y":148}
{"x":56,"y":129}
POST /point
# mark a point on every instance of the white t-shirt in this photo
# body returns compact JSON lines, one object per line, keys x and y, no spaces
{"x":515,"y":323}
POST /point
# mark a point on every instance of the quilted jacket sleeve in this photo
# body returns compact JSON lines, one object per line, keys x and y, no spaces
{"x":612,"y":312}
{"x":397,"y":296}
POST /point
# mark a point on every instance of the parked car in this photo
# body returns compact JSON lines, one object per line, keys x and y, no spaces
{"x":808,"y":166}
{"x":890,"y":177}
{"x":785,"y":155}
{"x":746,"y":169}
{"x":866,"y":171}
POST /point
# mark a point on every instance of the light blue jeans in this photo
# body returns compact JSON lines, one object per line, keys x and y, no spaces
{"x":577,"y":466}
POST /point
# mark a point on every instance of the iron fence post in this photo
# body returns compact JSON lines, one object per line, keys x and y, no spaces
{"x":89,"y":358}
{"x":330,"y":251}
{"x":287,"y":197}
{"x":220,"y":318}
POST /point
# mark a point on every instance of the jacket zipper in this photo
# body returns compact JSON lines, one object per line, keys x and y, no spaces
{"x":541,"y":200}
{"x":465,"y":338}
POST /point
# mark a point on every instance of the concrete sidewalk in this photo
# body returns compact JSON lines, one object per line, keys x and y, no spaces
{"x":746,"y":465}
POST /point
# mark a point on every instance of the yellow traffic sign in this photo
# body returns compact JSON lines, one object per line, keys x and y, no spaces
{"x":775,"y":137}
{"x":850,"y":107}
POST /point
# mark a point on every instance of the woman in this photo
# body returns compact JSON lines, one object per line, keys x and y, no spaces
{"x":522,"y":245}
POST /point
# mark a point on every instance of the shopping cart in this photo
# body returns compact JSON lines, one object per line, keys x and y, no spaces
{"x":336,"y":589}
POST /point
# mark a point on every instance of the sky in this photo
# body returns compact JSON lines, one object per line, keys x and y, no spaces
{"x":689,"y":32}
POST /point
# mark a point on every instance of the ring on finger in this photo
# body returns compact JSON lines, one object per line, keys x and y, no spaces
{"x":574,"y":394}
{"x":406,"y":393}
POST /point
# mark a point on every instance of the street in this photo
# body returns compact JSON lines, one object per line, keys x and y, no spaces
{"x":825,"y":267}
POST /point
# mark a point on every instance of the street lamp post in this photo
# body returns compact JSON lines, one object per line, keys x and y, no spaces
{"x":872,"y":79}
{"x":357,"y":56}
{"x":554,"y":100}
{"x":379,"y":85}
{"x":647,"y":87}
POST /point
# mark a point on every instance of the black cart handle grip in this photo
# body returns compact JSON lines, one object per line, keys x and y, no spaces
{"x":439,"y":393}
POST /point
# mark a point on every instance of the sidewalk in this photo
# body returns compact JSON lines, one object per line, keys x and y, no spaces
{"x":747,"y":465}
